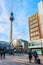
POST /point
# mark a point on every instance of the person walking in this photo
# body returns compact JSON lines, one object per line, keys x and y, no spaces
{"x":4,"y":52}
{"x":35,"y":54}
{"x":30,"y":56}
{"x":1,"y":54}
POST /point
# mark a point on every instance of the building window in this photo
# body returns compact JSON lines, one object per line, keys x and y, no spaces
{"x":31,"y":34}
{"x":34,"y":17}
{"x":32,"y":22}
{"x":37,"y":37}
{"x":36,"y":28}
{"x":37,"y":32}
{"x":32,"y":38}
{"x":33,"y":25}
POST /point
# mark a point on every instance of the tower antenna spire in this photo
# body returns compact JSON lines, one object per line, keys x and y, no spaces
{"x":11,"y":5}
{"x":11,"y":21}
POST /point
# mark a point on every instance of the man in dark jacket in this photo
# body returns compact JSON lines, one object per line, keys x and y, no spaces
{"x":30,"y":56}
{"x":35,"y":56}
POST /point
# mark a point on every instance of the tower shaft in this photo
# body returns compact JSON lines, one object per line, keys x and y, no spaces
{"x":10,"y":31}
{"x":11,"y":21}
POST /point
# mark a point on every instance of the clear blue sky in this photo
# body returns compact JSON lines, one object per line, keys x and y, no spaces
{"x":22,"y":9}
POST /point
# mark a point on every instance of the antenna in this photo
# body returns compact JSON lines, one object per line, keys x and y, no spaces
{"x":11,"y":20}
{"x":42,"y":1}
{"x":11,"y":5}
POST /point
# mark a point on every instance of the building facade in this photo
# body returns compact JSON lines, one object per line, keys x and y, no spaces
{"x":36,"y":23}
{"x":36,"y":30}
{"x":20,"y":45}
{"x":36,"y":45}
{"x":40,"y":8}
{"x":34,"y":27}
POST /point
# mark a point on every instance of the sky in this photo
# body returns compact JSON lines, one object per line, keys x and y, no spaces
{"x":22,"y":9}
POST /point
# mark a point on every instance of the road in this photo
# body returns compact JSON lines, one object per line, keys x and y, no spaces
{"x":17,"y":59}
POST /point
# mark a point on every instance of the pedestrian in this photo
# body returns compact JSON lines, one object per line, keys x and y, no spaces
{"x":4,"y":52}
{"x":30,"y":56}
{"x":1,"y":54}
{"x":35,"y":54}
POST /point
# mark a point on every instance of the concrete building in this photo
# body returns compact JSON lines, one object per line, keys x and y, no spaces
{"x":40,"y":8}
{"x":36,"y":23}
{"x":36,"y":45}
{"x":36,"y":30}
{"x":34,"y":27}
{"x":20,"y":44}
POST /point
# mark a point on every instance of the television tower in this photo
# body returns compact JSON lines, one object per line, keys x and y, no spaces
{"x":11,"y":21}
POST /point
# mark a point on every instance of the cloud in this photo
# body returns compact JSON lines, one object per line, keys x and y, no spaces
{"x":4,"y":32}
{"x":2,"y":38}
{"x":20,"y":24}
{"x":15,"y":33}
{"x":3,"y":16}
{"x":4,"y":24}
{"x":3,"y":28}
{"x":20,"y":19}
{"x":20,"y":11}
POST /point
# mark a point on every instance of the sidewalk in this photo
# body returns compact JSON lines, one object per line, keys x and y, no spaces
{"x":19,"y":60}
{"x":41,"y":58}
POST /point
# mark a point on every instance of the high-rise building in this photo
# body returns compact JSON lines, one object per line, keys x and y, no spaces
{"x":34,"y":27}
{"x":40,"y":8}
{"x":36,"y":30}
{"x":36,"y":23}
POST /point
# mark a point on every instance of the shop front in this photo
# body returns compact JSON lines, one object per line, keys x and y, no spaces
{"x":36,"y":45}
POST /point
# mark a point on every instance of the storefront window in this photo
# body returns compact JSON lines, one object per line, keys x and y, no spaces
{"x":37,"y":50}
{"x":35,"y":45}
{"x":42,"y":42}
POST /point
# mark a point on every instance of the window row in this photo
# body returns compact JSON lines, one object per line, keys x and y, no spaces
{"x":32,"y":22}
{"x":34,"y":38}
{"x":33,"y":17}
{"x":33,"y":25}
{"x":35,"y":33}
{"x":34,"y":29}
